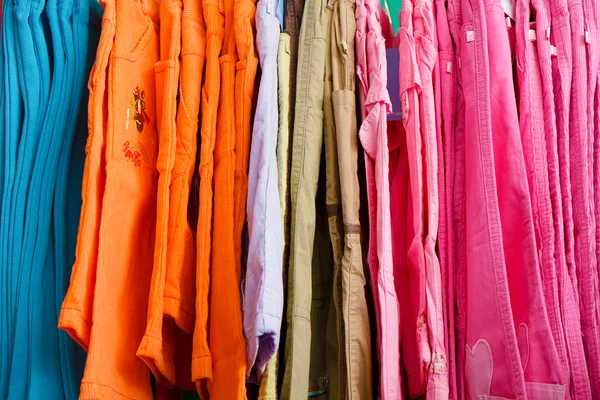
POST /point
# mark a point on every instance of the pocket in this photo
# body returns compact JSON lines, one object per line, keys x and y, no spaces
{"x":98,"y":70}
{"x":135,"y":28}
{"x":166,"y":79}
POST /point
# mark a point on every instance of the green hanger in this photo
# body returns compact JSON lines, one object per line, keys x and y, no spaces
{"x":393,"y":11}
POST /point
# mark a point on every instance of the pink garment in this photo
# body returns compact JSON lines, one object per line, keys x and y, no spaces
{"x":591,"y":36}
{"x":375,"y":104}
{"x":445,"y":101}
{"x":410,"y":266}
{"x":582,"y":185}
{"x":539,"y":357}
{"x":559,"y":164}
{"x":506,"y":330}
{"x":571,"y":350}
{"x":455,"y":171}
{"x":426,"y":55}
{"x":532,"y":127}
{"x":489,"y":344}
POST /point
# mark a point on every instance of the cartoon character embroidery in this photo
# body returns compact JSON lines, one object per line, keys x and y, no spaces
{"x":138,"y":103}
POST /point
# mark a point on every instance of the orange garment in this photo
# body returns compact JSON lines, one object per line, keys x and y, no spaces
{"x":244,"y":12}
{"x":180,"y":288}
{"x":163,"y":339}
{"x":127,"y":227}
{"x":202,"y":362}
{"x":227,"y":345}
{"x":76,"y":312}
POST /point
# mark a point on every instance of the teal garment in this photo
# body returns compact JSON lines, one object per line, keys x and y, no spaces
{"x":13,"y":116}
{"x":37,"y":328}
{"x":36,"y":336}
{"x":2,"y":288}
{"x":44,"y":298}
{"x":3,"y":313}
{"x":87,"y":18}
{"x":29,"y":82}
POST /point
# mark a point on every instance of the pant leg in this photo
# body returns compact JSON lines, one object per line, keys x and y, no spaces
{"x":585,"y":257}
{"x":76,"y":312}
{"x":127,"y":226}
{"x":484,"y":271}
{"x":202,"y":362}
{"x":268,"y":383}
{"x":263,"y":295}
{"x":13,"y":111}
{"x":227,"y":345}
{"x":306,"y":152}
{"x":26,"y":140}
{"x":157,"y":347}
{"x":180,"y":283}
{"x":357,"y":335}
{"x":335,"y":219}
{"x":426,"y":52}
{"x":531,"y":124}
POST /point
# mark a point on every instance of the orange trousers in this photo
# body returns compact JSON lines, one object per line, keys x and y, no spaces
{"x":180,"y":288}
{"x":202,"y":361}
{"x":227,"y":345}
{"x":246,"y":67}
{"x":127,"y":226}
{"x":76,"y":312}
{"x":165,"y":348}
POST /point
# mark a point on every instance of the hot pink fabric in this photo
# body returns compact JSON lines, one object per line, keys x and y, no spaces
{"x":455,"y":161}
{"x":410,"y":267}
{"x":591,"y":10}
{"x":532,"y":119}
{"x":556,"y":76}
{"x":493,"y":342}
{"x":582,"y":185}
{"x":426,"y":55}
{"x":538,"y":354}
{"x":506,"y":341}
{"x":445,"y":99}
{"x":375,"y":104}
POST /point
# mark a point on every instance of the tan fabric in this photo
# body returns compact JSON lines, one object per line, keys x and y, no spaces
{"x":357,"y":334}
{"x":307,"y":284}
{"x":334,"y":215}
{"x":343,"y":202}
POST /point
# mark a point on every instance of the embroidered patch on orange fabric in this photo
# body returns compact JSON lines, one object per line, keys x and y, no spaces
{"x":138,"y":103}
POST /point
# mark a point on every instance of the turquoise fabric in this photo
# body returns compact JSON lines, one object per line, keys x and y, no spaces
{"x":13,"y":117}
{"x":87,"y":17}
{"x":35,"y":331}
{"x":393,"y":8}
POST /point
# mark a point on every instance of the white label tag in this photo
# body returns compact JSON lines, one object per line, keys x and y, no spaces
{"x":548,"y":33}
{"x":532,"y":35}
{"x":449,"y":67}
{"x":508,"y":22}
{"x":553,"y":51}
{"x":470,"y":36}
{"x":587,"y":37}
{"x":509,"y":8}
